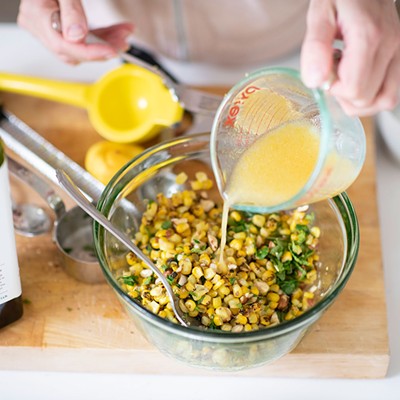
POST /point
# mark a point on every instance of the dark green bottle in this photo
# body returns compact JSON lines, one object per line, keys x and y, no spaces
{"x":10,"y":283}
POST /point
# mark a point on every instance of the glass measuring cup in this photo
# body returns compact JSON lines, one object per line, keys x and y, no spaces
{"x":283,"y":145}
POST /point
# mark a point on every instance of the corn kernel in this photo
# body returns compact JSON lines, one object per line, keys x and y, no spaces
{"x":254,"y":290}
{"x":204,"y":260}
{"x":217,"y":320}
{"x":196,"y":185}
{"x":209,"y":273}
{"x":224,"y":313}
{"x":258,"y":220}
{"x":316,"y":232}
{"x":216,"y":302}
{"x":197,"y":272}
{"x":273,"y":305}
{"x":287,"y":256}
{"x":183,"y":293}
{"x":181,"y":178}
{"x":190,"y":305}
{"x":223,"y":291}
{"x":236,"y":216}
{"x":253,"y":318}
{"x":241,"y":319}
{"x":208,"y":285}
{"x":226,"y":327}
{"x":236,"y":244}
{"x":206,"y":300}
{"x":273,"y":296}
{"x":189,"y":286}
{"x":218,"y":284}
{"x":237,"y":290}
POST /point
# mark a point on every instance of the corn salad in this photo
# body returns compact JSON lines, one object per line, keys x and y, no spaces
{"x":270,"y":261}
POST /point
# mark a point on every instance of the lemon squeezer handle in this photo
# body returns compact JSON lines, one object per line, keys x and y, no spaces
{"x":71,"y":93}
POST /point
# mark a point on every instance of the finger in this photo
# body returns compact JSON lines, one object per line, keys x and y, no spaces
{"x":361,"y":69}
{"x":86,"y":52}
{"x":113,"y":39}
{"x":68,"y":60}
{"x":116,"y":36}
{"x":317,"y":51}
{"x":388,"y":96}
{"x":74,"y":24}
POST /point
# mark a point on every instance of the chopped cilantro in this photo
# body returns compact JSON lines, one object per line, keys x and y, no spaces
{"x":289,"y":286}
{"x":310,"y":217}
{"x":166,"y":225}
{"x":129,"y":280}
{"x":262,"y":253}
{"x":171,"y":277}
{"x":278,"y":249}
{"x":148,"y":280}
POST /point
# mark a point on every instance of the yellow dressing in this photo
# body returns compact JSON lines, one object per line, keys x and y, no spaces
{"x":275,"y":167}
{"x":272,"y":170}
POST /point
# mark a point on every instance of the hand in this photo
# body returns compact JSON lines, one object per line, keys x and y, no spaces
{"x":368,"y":73}
{"x":70,"y":45}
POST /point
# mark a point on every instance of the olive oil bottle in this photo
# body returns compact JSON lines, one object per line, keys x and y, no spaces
{"x":10,"y":283}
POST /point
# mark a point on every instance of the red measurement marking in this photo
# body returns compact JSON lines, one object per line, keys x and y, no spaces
{"x":235,"y":108}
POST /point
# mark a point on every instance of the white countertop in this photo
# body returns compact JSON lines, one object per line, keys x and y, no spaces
{"x":21,"y":53}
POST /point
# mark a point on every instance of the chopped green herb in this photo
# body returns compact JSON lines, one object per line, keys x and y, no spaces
{"x":148,"y":280}
{"x":129,"y":280}
{"x":166,"y":225}
{"x":289,"y":287}
{"x":310,"y":217}
{"x":171,"y":277}
{"x":262,"y":253}
{"x":278,"y":249}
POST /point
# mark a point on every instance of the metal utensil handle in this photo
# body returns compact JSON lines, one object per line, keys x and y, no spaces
{"x":54,"y":201}
{"x":43,"y":156}
{"x":71,"y":188}
{"x":193,"y":100}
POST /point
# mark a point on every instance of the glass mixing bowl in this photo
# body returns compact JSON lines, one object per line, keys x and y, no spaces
{"x":154,"y":171}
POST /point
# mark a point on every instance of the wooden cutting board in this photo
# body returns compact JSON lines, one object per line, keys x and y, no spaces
{"x":72,"y":326}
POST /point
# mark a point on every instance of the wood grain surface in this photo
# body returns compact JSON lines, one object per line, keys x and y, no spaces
{"x":72,"y":326}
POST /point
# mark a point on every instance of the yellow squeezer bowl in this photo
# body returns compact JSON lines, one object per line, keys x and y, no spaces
{"x":127,"y":104}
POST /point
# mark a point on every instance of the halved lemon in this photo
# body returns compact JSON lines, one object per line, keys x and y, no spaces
{"x":104,"y":159}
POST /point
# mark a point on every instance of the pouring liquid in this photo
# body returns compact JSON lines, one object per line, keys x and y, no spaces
{"x":278,"y":165}
{"x":272,"y":170}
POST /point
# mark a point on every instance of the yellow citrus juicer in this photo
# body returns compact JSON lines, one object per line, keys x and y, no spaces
{"x":127,"y":104}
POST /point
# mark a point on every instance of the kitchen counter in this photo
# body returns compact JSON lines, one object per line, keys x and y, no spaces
{"x":23,"y":54}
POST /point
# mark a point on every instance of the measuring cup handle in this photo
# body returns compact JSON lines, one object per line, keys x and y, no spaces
{"x":64,"y":92}
{"x":39,"y":185}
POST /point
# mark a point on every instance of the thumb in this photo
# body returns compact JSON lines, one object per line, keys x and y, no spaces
{"x":317,"y":50}
{"x":74,"y":24}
